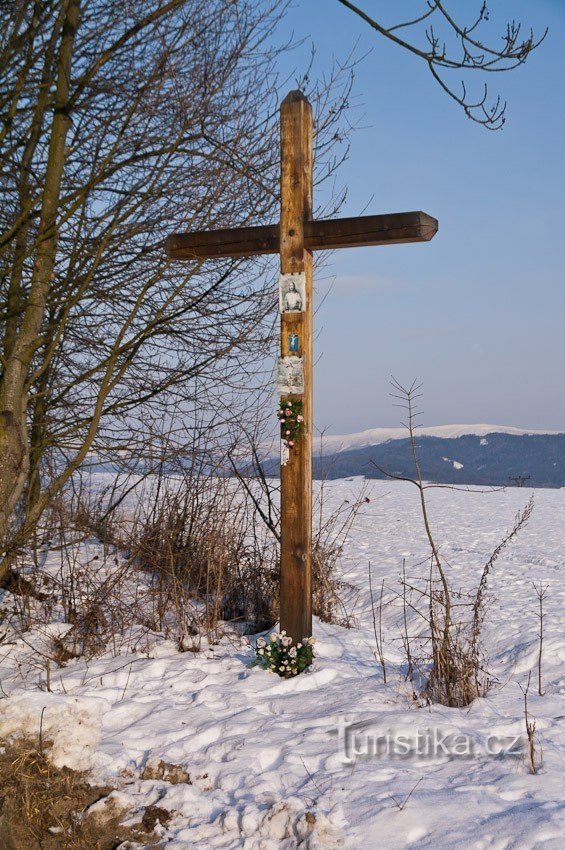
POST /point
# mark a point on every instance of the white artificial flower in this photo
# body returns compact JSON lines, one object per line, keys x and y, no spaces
{"x":292,"y":652}
{"x":286,"y":641}
{"x":311,"y":641}
{"x":261,"y":642}
{"x":283,"y":633}
{"x":273,"y":637}
{"x":260,"y":652}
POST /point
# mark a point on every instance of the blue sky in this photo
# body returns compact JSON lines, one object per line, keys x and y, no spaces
{"x":477,"y":314}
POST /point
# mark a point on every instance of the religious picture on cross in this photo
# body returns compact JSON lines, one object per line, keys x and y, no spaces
{"x":292,"y":292}
{"x":293,"y":343}
{"x":290,"y":376}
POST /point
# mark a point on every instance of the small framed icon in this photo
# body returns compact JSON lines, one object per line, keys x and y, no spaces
{"x":293,"y":343}
{"x":292,"y":292}
{"x":290,"y":376}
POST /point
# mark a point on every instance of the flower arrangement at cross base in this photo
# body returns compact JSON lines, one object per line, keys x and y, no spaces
{"x":291,"y":420}
{"x":278,"y":655}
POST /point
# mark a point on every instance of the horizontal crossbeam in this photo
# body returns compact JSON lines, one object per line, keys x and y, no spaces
{"x":392,"y":229}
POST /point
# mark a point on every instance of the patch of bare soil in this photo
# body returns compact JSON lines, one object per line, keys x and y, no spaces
{"x":43,"y":807}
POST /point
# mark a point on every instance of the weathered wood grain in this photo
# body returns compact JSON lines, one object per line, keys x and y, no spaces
{"x":296,"y":475}
{"x":319,"y":235}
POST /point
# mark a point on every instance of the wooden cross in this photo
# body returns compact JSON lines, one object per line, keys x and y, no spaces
{"x":294,"y":238}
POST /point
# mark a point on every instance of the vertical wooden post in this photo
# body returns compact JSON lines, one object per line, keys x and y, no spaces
{"x":296,"y":474}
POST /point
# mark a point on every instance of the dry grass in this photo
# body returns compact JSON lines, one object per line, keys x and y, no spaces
{"x":43,"y":807}
{"x":207,"y":567}
{"x":190,"y":558}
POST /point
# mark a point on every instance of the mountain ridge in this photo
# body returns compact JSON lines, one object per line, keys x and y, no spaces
{"x":509,"y":457}
{"x":376,"y":436}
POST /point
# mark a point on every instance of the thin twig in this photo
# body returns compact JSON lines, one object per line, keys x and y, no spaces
{"x":402,"y":805}
{"x":378,"y":632}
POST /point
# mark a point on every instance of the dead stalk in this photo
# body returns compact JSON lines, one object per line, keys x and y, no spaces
{"x":541,"y":592}
{"x":378,"y":631}
{"x":405,"y":636}
{"x":530,"y":728}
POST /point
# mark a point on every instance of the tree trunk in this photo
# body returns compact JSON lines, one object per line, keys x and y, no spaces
{"x":14,"y":440}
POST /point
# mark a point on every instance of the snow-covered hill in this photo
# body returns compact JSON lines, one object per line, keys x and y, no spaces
{"x":375,"y":436}
{"x":486,"y":455}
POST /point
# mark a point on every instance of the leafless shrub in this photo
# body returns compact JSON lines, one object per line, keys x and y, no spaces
{"x":85,"y":509}
{"x":454,"y":679}
{"x":101,"y":600}
{"x":192,"y":554}
{"x":457,"y":674}
{"x":186,"y":561}
{"x":330,"y":533}
{"x":207,"y":564}
{"x":520,"y":521}
{"x":95,"y":590}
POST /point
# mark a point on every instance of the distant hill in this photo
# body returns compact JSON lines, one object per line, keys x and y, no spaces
{"x":492,"y":458}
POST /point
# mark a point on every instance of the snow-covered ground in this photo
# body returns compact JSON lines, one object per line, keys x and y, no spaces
{"x":270,"y":760}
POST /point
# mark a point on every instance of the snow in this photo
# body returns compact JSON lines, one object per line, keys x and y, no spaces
{"x":454,"y":463}
{"x":263,"y":754}
{"x":72,"y":723}
{"x":374,"y":436}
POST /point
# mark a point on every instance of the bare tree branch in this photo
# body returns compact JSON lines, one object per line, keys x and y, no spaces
{"x":459,"y":47}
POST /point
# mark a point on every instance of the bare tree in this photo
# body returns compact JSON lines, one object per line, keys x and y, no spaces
{"x":446,"y":44}
{"x":121,"y":123}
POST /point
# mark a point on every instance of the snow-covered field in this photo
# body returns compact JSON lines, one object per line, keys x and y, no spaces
{"x":270,"y":760}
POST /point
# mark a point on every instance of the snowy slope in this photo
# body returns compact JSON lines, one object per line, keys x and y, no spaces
{"x":265,"y":767}
{"x":376,"y":436}
{"x":483,"y":455}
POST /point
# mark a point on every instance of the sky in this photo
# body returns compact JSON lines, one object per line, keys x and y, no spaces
{"x":477,"y":314}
